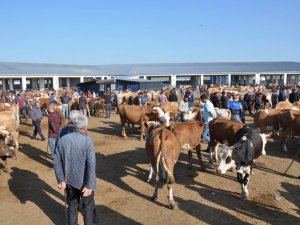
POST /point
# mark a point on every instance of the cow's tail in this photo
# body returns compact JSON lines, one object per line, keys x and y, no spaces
{"x":164,"y":147}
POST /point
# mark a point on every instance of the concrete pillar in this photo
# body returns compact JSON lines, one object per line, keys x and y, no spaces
{"x":285,"y":78}
{"x":173,"y":80}
{"x":68,"y":82}
{"x":55,"y":82}
{"x":34,"y":84}
{"x":42,"y":84}
{"x":257,"y":78}
{"x":229,"y":79}
{"x":3,"y":84}
{"x":201,"y":79}
{"x":11,"y":85}
{"x":81,"y":79}
{"x":145,"y":77}
{"x":24,"y":84}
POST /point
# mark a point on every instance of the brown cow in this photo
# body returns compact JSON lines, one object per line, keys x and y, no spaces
{"x":289,"y":124}
{"x":221,"y":130}
{"x":188,"y":135}
{"x":283,"y":105}
{"x":267,"y":120}
{"x":163,"y":150}
{"x":135,"y":114}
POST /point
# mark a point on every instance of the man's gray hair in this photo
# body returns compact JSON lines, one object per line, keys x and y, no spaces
{"x":80,"y":122}
{"x":74,"y":114}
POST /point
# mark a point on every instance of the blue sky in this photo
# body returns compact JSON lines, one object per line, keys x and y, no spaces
{"x":149,"y":31}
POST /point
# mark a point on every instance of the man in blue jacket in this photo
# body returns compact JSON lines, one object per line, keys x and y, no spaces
{"x":75,"y":165}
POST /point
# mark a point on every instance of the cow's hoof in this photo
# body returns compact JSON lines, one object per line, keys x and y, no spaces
{"x":154,"y":198}
{"x":244,"y":196}
{"x":172,"y":205}
{"x":202,"y":168}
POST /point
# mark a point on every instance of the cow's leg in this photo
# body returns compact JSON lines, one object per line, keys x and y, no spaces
{"x":155,"y":194}
{"x":123,"y":131}
{"x":211,"y":154}
{"x":172,"y":204}
{"x":216,"y":153}
{"x":142,"y":131}
{"x":284,"y":140}
{"x":190,"y":155}
{"x":198,"y":151}
{"x":243,"y":178}
{"x":4,"y":159}
{"x":150,"y":176}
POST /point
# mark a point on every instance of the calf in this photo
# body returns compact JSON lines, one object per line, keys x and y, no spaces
{"x":163,"y":150}
{"x":188,"y":136}
{"x":222,"y":130}
{"x":135,"y":114}
{"x":248,"y":147}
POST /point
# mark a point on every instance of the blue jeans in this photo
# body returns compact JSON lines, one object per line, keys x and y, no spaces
{"x":65,"y":110}
{"x":236,"y":118}
{"x":190,"y":104}
{"x":206,"y":135}
{"x":51,"y":143}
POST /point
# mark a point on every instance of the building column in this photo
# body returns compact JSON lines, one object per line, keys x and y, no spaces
{"x":173,"y":80}
{"x":257,"y":78}
{"x":145,"y":77}
{"x":229,"y":79}
{"x":68,"y":82}
{"x":11,"y":85}
{"x":55,"y":81}
{"x":24,"y":84}
{"x":202,"y":79}
{"x":34,"y":85}
{"x":284,"y":79}
{"x":81,"y":79}
{"x":42,"y":84}
{"x":3,"y":85}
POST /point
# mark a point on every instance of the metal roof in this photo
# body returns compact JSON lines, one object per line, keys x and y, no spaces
{"x":148,"y":69}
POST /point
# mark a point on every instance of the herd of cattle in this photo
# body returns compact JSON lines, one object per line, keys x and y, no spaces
{"x":166,"y":138}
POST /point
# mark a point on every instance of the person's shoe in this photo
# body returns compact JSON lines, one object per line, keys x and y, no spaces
{"x":43,"y":139}
{"x":32,"y":137}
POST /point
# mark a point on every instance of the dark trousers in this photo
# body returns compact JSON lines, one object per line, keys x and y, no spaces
{"x":182,"y":117}
{"x":108,"y":110}
{"x":37,"y":129}
{"x":88,"y":205}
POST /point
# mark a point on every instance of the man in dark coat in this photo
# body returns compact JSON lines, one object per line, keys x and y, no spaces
{"x":294,"y":96}
{"x":82,"y":104}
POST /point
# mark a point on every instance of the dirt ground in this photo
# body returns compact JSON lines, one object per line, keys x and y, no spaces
{"x":29,"y":193}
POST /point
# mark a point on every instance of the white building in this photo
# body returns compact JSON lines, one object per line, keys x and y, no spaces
{"x":39,"y":76}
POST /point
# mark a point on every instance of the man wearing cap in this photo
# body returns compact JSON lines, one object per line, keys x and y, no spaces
{"x":208,"y":114}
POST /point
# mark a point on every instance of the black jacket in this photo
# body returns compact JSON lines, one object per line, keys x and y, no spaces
{"x":173,"y":97}
{"x":294,"y":97}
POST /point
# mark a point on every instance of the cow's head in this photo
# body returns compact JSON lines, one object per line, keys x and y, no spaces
{"x":6,"y":144}
{"x":239,"y":152}
{"x":163,"y":117}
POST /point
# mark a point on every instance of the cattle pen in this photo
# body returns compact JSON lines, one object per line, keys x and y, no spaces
{"x":29,"y":193}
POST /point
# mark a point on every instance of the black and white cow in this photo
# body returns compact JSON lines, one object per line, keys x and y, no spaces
{"x":248,"y":147}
